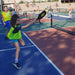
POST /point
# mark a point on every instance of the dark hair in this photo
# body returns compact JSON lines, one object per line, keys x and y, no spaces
{"x":13,"y":20}
{"x":5,"y":6}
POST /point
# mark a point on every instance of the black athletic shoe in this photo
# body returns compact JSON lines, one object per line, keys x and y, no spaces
{"x":6,"y":38}
{"x":17,"y":65}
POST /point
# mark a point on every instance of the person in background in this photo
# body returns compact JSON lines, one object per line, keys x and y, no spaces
{"x":69,"y":10}
{"x":37,"y":8}
{"x":46,"y":12}
{"x":6,"y":17}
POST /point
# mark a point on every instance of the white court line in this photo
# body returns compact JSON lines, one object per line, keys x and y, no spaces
{"x":44,"y":55}
{"x":61,"y":16}
{"x":2,"y":50}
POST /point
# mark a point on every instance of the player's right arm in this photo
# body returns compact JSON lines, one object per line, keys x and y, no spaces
{"x":28,"y":24}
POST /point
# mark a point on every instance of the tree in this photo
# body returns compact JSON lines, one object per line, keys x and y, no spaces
{"x":33,"y":1}
{"x":49,"y":0}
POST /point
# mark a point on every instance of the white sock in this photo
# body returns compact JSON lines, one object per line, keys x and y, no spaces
{"x":16,"y":60}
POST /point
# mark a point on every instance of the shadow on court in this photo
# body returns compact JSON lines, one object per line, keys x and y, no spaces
{"x":58,"y":46}
{"x":32,"y":60}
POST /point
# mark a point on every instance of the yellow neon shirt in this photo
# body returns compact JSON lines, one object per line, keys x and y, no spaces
{"x":12,"y":35}
{"x":6,"y":16}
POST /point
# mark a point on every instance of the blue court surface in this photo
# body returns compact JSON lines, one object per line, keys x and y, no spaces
{"x":32,"y":59}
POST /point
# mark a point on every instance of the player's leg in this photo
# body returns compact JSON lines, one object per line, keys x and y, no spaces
{"x":6,"y":32}
{"x":8,"y":26}
{"x":21,"y":42}
{"x":16,"y":63}
{"x":70,"y":14}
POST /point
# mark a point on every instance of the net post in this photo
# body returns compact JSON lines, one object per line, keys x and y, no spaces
{"x":51,"y":21}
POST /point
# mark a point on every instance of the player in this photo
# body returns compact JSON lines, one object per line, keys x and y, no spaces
{"x":6,"y":17}
{"x":70,"y":10}
{"x":37,"y":8}
{"x":16,"y":36}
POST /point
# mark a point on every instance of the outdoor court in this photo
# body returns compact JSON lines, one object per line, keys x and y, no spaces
{"x":32,"y":59}
{"x":48,"y":51}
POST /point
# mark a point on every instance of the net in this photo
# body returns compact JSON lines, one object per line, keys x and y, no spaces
{"x":63,"y":21}
{"x":28,"y":14}
{"x":31,"y":15}
{"x":60,"y":9}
